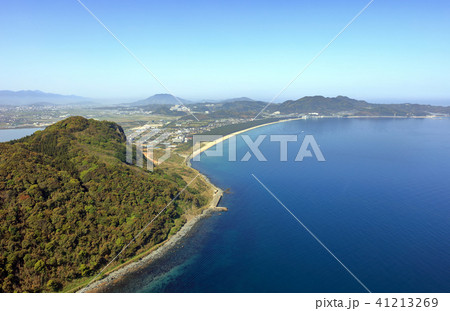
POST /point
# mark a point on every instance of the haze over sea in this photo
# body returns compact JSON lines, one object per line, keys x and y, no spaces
{"x":380,"y":202}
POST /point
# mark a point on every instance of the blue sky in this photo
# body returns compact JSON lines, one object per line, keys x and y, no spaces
{"x":397,"y":50}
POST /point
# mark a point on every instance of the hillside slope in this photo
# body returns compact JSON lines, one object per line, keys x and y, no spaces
{"x":68,"y":204}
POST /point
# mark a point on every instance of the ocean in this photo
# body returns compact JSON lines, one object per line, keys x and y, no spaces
{"x":11,"y":134}
{"x":379,"y":203}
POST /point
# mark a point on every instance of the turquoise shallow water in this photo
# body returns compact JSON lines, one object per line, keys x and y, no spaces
{"x":380,"y":202}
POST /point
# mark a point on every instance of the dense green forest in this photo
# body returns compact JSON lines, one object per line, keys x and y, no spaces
{"x":69,"y":203}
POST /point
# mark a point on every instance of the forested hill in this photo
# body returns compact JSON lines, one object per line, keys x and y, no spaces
{"x":69,"y":203}
{"x":327,"y":106}
{"x":349,"y":106}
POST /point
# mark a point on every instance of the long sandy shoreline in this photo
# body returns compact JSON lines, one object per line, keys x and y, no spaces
{"x":115,"y":275}
{"x":211,"y":144}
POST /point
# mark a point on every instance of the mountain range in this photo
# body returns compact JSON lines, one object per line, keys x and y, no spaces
{"x":23,"y":98}
{"x":168,"y":99}
{"x":236,"y":107}
{"x":329,"y":106}
{"x":247,"y":107}
{"x":343,"y":105}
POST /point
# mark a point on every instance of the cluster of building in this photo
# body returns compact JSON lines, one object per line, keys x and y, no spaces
{"x":179,"y":108}
{"x":178,"y":133}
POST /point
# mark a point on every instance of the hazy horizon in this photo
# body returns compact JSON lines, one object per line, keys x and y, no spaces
{"x":130,"y":99}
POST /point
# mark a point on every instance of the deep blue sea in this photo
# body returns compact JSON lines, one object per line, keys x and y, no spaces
{"x":380,"y":202}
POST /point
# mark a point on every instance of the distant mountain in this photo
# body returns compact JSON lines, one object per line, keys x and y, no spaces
{"x":321,"y":104}
{"x":218,"y":101}
{"x":338,"y":106}
{"x":22,"y":98}
{"x":343,"y":105}
{"x":161,"y":99}
{"x":237,"y":99}
{"x":242,"y":107}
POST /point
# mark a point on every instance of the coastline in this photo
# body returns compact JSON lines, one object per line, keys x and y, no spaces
{"x":211,"y":144}
{"x":159,"y":250}
{"x":24,"y":127}
{"x":228,"y":136}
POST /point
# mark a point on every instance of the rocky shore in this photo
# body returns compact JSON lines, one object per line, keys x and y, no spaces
{"x":111,"y":278}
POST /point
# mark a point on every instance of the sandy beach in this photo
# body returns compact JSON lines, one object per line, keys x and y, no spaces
{"x":211,"y":144}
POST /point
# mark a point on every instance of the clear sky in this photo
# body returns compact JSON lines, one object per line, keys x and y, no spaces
{"x":397,"y":50}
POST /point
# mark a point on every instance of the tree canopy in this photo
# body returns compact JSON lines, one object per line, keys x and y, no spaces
{"x":69,"y":203}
